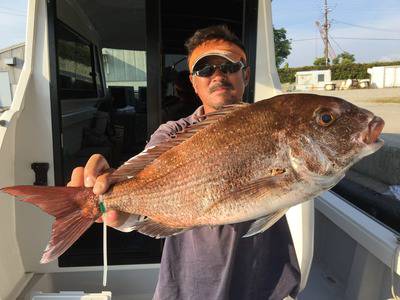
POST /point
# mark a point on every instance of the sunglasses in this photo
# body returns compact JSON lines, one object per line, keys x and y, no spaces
{"x":226,"y":68}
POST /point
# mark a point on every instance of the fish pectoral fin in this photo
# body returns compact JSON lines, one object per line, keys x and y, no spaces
{"x":264,"y":223}
{"x":156,"y":230}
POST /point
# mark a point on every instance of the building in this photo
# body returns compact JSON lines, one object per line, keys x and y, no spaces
{"x":385,"y":76}
{"x":312,"y":80}
{"x":11,"y":63}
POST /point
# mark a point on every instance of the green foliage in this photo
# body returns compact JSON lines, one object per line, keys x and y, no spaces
{"x":344,"y":58}
{"x":339,"y":71}
{"x":320,"y":62}
{"x":282,"y":45}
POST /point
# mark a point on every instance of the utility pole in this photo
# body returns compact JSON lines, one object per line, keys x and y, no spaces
{"x":326,"y":27}
{"x":324,"y":32}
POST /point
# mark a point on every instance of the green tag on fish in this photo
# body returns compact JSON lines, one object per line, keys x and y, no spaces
{"x":102,"y":207}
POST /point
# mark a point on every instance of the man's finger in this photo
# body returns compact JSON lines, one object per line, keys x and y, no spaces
{"x":95,"y":166}
{"x":103,"y":182}
{"x":113,"y":218}
{"x":76,"y":177}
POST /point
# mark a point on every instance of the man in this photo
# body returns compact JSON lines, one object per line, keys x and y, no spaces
{"x":212,"y":262}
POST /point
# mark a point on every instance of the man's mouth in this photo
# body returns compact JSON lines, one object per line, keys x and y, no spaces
{"x":220,"y":87}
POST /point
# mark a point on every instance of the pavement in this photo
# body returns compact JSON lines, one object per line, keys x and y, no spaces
{"x":374,"y":101}
{"x":382,"y":168}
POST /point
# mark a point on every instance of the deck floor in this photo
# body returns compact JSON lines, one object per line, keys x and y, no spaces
{"x":322,"y":285}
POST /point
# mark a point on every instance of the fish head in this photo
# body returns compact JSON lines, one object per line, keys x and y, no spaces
{"x":327,"y":135}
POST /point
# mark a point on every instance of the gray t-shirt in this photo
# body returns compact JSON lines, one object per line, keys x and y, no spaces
{"x":216,"y":263}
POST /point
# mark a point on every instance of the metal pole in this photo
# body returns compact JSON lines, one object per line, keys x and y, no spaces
{"x":326,"y":38}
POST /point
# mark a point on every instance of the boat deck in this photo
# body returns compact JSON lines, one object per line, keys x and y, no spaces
{"x":322,"y":285}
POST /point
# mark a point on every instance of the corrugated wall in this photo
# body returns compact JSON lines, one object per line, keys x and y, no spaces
{"x":13,"y":71}
{"x":124,"y":65}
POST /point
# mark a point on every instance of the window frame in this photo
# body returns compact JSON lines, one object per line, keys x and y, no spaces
{"x":98,"y":89}
{"x":377,"y":238}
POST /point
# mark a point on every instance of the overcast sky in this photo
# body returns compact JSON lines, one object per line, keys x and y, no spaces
{"x":359,"y":20}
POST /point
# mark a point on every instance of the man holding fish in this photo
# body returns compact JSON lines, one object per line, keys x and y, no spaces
{"x":228,"y":171}
{"x":212,"y":262}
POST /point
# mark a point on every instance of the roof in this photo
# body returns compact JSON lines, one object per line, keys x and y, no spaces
{"x":12,"y":47}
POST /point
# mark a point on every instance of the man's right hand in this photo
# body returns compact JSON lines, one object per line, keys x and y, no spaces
{"x":96,"y":174}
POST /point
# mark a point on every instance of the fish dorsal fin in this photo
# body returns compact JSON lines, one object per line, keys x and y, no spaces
{"x":156,"y":230}
{"x":266,"y":222}
{"x":137,"y":163}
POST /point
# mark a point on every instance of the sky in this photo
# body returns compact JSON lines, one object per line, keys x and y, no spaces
{"x":352,"y":23}
{"x":12,"y":22}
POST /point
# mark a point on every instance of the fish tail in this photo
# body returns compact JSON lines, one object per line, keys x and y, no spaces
{"x":75,"y":210}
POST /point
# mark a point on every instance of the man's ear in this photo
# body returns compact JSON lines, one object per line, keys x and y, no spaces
{"x":246,"y":76}
{"x":193,"y":81}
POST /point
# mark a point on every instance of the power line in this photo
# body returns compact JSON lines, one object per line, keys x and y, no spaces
{"x":337,"y":44}
{"x":348,"y":38}
{"x":12,"y":9}
{"x":366,"y":39}
{"x":367,"y":27}
{"x":12,"y":14}
{"x":307,"y":39}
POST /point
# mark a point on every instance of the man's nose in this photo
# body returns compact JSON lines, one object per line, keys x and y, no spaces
{"x":218,"y":73}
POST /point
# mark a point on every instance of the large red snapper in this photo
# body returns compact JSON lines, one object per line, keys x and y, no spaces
{"x":243,"y":162}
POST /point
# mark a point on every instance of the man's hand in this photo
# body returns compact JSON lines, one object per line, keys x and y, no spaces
{"x":96,"y":174}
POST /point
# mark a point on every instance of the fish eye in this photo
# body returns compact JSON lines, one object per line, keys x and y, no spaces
{"x":325,"y":118}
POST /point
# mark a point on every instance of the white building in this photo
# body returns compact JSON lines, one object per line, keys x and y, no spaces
{"x":385,"y":76}
{"x":11,"y":63}
{"x":312,"y":80}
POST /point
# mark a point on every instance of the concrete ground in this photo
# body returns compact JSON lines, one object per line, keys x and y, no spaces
{"x":381,"y":169}
{"x":384,"y":103}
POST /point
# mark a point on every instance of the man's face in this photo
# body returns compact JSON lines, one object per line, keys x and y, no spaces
{"x":219,"y":89}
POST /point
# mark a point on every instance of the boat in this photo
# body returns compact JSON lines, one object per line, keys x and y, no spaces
{"x":57,"y":120}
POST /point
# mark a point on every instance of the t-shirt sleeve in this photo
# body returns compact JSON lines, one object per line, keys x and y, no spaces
{"x":166,"y":131}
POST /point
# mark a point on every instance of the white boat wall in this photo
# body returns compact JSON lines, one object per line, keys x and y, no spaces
{"x":353,"y":252}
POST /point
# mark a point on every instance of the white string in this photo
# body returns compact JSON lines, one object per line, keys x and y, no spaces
{"x":105,"y":263}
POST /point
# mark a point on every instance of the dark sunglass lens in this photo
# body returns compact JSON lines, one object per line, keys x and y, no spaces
{"x":230,"y":67}
{"x":206,"y":71}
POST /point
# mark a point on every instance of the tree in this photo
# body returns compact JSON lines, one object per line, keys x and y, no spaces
{"x":320,"y":62}
{"x":282,"y":45}
{"x":344,"y":58}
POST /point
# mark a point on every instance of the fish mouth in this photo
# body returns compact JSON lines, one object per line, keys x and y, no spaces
{"x":371,"y":134}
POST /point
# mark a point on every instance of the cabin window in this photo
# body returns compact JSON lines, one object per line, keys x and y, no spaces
{"x":76,"y":65}
{"x":321,"y":77}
